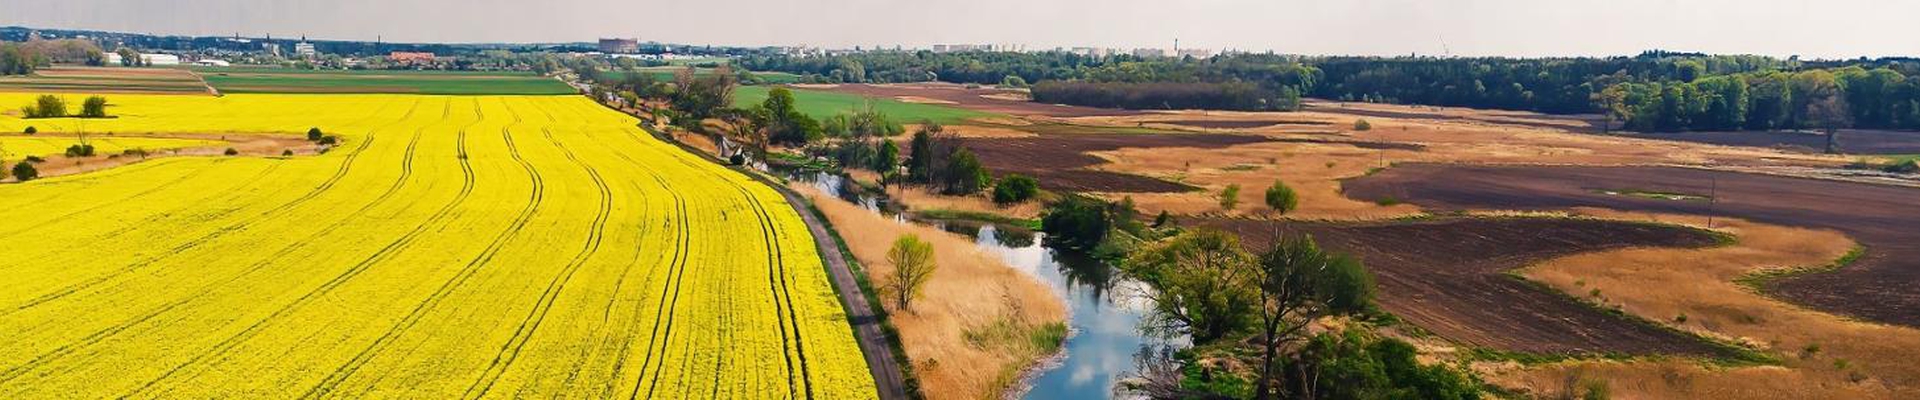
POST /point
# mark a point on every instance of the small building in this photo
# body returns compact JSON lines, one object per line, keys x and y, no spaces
{"x":619,"y":46}
{"x":305,"y":49}
{"x":212,"y":63}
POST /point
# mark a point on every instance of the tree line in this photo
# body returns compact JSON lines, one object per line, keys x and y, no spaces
{"x":1663,"y":91}
{"x":1821,"y":99}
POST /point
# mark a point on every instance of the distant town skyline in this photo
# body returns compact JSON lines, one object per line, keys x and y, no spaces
{"x":1528,"y":28}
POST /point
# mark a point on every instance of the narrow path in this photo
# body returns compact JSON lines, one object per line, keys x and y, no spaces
{"x":887,"y":376}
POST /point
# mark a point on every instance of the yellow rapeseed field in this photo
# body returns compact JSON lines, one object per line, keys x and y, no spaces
{"x":449,"y":247}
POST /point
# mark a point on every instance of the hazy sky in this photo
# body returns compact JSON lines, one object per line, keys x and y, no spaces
{"x":1822,"y":28}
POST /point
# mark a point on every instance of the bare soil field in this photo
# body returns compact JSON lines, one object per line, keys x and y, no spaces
{"x":1003,"y":101}
{"x":1879,"y":286}
{"x":1450,"y":276}
{"x":1852,"y":141}
{"x":1061,"y":162}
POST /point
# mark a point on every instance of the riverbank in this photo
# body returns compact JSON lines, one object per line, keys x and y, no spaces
{"x":980,"y":323}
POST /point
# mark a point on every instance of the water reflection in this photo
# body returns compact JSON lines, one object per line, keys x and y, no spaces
{"x":1105,"y":307}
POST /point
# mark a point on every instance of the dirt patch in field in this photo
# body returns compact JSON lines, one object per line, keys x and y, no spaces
{"x":261,"y":145}
{"x":1002,"y":101}
{"x":1880,"y":286}
{"x":1449,"y":276}
{"x":1061,"y":162}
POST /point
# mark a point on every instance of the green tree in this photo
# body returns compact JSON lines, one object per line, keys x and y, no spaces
{"x":1230,"y":197}
{"x":1015,"y":188}
{"x":913,"y":264}
{"x":965,"y":174}
{"x":784,"y":122}
{"x":1281,"y":198}
{"x":1013,"y":81}
{"x":128,"y":57}
{"x":1076,"y":222}
{"x":1201,"y":282}
{"x":94,"y":107}
{"x":46,"y":106}
{"x":887,"y":158}
{"x":1298,"y":283}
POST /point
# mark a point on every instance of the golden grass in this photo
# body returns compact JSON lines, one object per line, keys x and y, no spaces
{"x":971,"y":291}
{"x":1850,"y":359}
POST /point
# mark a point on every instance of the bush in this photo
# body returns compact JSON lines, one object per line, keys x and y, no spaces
{"x":80,"y":150}
{"x":289,"y":153}
{"x":1362,"y":125}
{"x":230,"y":151}
{"x":314,"y":134}
{"x":329,"y":140}
{"x":36,"y":159}
{"x":24,"y":171}
{"x":737,"y":159}
{"x":1904,"y":167}
{"x":967,"y":175}
{"x":94,"y":107}
{"x":31,"y":130}
{"x":1281,"y":198}
{"x":1015,"y":188}
{"x":1230,"y":197}
{"x":1076,"y":222}
{"x":46,"y":106}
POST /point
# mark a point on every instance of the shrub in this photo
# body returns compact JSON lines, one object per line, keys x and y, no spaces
{"x":314,"y":134}
{"x":1163,"y":220}
{"x":1362,"y":125}
{"x":46,"y":106}
{"x":737,"y":159}
{"x":24,"y":171}
{"x":80,"y":150}
{"x":967,"y":176}
{"x":1076,"y":222}
{"x":1015,"y":188}
{"x":329,"y":140}
{"x":230,"y":151}
{"x":94,"y":107}
{"x":1281,"y":198}
{"x":31,"y":130}
{"x":289,"y":153}
{"x":1230,"y":197}
{"x":36,"y":159}
{"x":1904,"y":167}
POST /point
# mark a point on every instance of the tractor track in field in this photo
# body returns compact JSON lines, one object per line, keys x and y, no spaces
{"x":676,"y":274}
{"x":95,"y":337}
{"x":776,"y":264}
{"x":64,"y":218}
{"x":339,"y":280}
{"x":531,"y":324}
{"x":626,"y":344}
{"x":535,"y":198}
{"x":347,"y":370}
{"x":345,"y":165}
